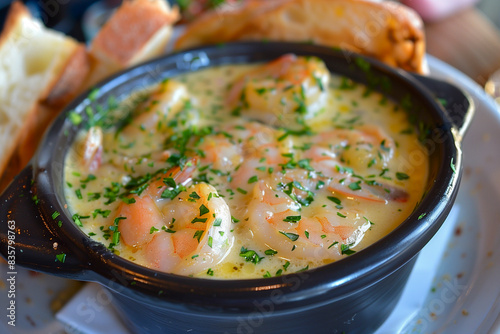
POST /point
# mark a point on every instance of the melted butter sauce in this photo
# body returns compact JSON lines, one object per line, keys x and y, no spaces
{"x":336,"y":179}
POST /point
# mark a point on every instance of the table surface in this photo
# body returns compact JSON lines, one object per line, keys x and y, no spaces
{"x":468,"y":41}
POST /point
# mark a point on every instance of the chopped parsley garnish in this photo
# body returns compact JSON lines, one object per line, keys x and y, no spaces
{"x":334,"y":200}
{"x":197,"y":235}
{"x":402,"y":176}
{"x":172,"y":193}
{"x":55,"y":214}
{"x":242,"y":191}
{"x":217,"y":221}
{"x":75,"y":118}
{"x":303,"y":269}
{"x":77,"y":219}
{"x":301,"y":105}
{"x":253,"y":179}
{"x":35,"y":199}
{"x":103,"y":213}
{"x":286,"y":265}
{"x":270,"y":252}
{"x":78,"y":194}
{"x":203,"y":210}
{"x":168,"y":230}
{"x":306,"y":131}
{"x":347,"y":84}
{"x":128,"y":200}
{"x":288,"y":189}
{"x":292,"y":219}
{"x":116,"y":233}
{"x":89,"y":178}
{"x":199,"y":220}
{"x":319,"y":83}
{"x":261,"y":91}
{"x":250,"y":255}
{"x":369,"y":221}
{"x":333,"y":244}
{"x":345,"y":249}
{"x":291,"y":236}
{"x":169,"y":182}
{"x":355,"y":185}
{"x":61,"y":257}
{"x":93,"y":196}
{"x":305,"y":164}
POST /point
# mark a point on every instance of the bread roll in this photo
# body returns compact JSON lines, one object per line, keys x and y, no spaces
{"x":388,"y":31}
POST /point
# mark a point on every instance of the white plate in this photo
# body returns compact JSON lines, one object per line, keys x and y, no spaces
{"x":464,"y":294}
{"x":455,"y":285}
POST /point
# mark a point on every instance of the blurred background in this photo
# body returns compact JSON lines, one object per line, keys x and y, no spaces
{"x":80,"y":18}
{"x":67,"y":15}
{"x":474,"y":50}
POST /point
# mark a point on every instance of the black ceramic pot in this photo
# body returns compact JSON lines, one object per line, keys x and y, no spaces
{"x":354,"y":295}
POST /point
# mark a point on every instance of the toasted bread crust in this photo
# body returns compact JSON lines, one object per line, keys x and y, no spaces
{"x":212,"y":27}
{"x":69,"y":83}
{"x":139,"y":30}
{"x":10,"y":161}
{"x":53,"y":81}
{"x":388,"y":31}
{"x":17,"y":11}
{"x":141,"y":19}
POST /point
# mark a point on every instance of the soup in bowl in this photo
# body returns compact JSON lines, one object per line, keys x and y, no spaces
{"x":246,"y":171}
{"x":301,"y":196}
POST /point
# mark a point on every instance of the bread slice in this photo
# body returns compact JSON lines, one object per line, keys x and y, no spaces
{"x":388,"y":31}
{"x":224,"y":23}
{"x":137,"y":31}
{"x":33,"y":61}
{"x":41,"y":70}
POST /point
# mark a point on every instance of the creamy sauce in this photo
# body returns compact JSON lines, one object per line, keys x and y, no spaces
{"x":246,"y":171}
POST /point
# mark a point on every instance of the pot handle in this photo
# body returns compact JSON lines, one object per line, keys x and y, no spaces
{"x":25,"y":238}
{"x":458,"y":105}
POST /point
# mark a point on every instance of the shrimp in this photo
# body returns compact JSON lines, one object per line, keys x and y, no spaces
{"x":184,"y":233}
{"x":315,"y":235}
{"x":142,"y":215}
{"x":221,"y":152}
{"x":341,"y":156}
{"x":359,"y":148}
{"x":281,"y":90}
{"x":90,"y":149}
{"x":198,"y":232}
{"x":262,"y":152}
{"x":163,"y":103}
